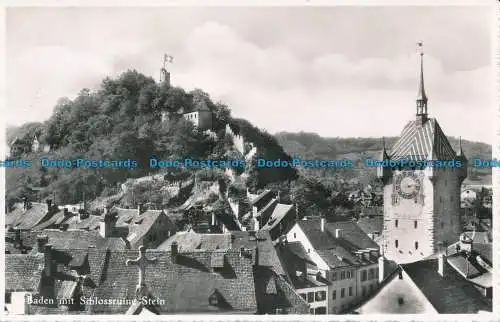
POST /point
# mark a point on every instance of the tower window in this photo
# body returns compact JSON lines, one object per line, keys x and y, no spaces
{"x":415,"y":223}
{"x":396,"y":223}
{"x":416,"y":245}
{"x":396,"y":243}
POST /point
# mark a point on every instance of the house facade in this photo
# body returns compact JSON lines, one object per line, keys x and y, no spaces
{"x":344,"y":255}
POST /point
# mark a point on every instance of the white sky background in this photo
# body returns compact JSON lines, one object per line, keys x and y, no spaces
{"x":336,"y":71}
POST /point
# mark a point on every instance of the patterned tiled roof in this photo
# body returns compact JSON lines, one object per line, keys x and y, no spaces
{"x":422,"y":142}
{"x":23,"y":272}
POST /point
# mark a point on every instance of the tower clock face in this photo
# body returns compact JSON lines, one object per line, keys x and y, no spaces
{"x":407,"y":185}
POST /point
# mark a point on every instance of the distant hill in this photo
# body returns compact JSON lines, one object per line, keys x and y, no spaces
{"x":313,"y":146}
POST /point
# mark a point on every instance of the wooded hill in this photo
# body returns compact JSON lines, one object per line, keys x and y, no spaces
{"x":122,"y":120}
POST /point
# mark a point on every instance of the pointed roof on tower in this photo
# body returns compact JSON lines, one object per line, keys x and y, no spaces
{"x":421,"y":96}
{"x":422,"y":138}
{"x":460,"y":152}
{"x":419,"y":142}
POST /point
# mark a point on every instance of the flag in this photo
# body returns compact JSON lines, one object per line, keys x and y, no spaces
{"x":168,"y":59}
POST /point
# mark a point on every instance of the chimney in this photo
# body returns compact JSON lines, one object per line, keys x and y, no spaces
{"x":242,"y":251}
{"x":174,"y":248}
{"x":255,"y":255}
{"x":18,"y":237}
{"x":107,"y":225}
{"x":49,"y":203}
{"x":48,"y":260}
{"x":278,"y":196}
{"x":256,"y":224}
{"x":441,"y":260}
{"x":322,"y":224}
{"x":25,"y":203}
{"x":338,"y":233}
{"x":41,"y":241}
{"x":139,"y":209}
{"x":66,"y":212}
{"x":381,"y":269}
{"x":213,"y":219}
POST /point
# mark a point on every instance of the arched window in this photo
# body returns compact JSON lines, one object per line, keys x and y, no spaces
{"x":416,"y":245}
{"x":415,"y":223}
{"x":396,"y":243}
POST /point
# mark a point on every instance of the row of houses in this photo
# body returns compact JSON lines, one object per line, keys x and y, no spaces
{"x":274,"y":263}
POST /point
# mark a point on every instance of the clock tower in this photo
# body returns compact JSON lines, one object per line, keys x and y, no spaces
{"x":421,"y":201}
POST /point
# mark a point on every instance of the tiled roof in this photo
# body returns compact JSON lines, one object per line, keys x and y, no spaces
{"x":353,"y":234}
{"x":280,"y":211}
{"x":371,"y":224}
{"x":185,"y":240}
{"x":267,"y":253}
{"x":485,"y":250}
{"x":185,"y":286}
{"x":92,"y":222}
{"x":450,"y":293}
{"x":422,"y":142}
{"x":294,"y":258}
{"x":298,"y":250}
{"x":142,"y":224}
{"x":463,"y":266}
{"x":188,"y":241}
{"x":267,"y":211}
{"x":480,"y":237}
{"x":56,"y":219}
{"x":25,"y":220}
{"x":125,"y":216}
{"x":78,"y":239}
{"x":332,"y":260}
{"x":338,"y":252}
{"x":23,"y":272}
{"x":262,"y":199}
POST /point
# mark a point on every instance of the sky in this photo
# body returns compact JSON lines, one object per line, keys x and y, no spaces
{"x":336,"y":71}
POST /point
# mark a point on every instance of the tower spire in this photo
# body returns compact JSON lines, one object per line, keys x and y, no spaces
{"x":421,"y":96}
{"x":385,"y":156}
{"x":460,"y":150}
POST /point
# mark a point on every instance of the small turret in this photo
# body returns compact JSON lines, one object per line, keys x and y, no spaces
{"x":462,"y":171}
{"x":384,"y":172}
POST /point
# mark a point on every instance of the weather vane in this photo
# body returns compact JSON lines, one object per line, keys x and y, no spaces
{"x":420,"y":48}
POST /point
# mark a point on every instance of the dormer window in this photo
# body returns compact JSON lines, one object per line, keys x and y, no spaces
{"x":213,"y":299}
